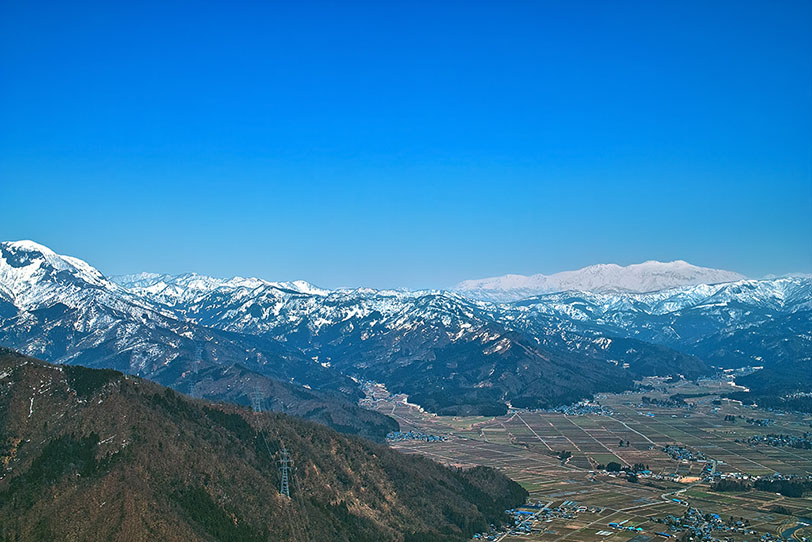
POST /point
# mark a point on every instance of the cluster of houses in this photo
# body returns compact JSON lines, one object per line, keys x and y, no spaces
{"x":582,"y":408}
{"x":567,"y":510}
{"x":622,"y":526}
{"x":522,"y":519}
{"x":781,"y":441}
{"x":761,"y":422}
{"x":413,"y":435}
{"x":522,"y":523}
{"x":665,"y":476}
{"x":644,"y":473}
{"x":702,"y":526}
{"x":681,"y":453}
{"x":483,"y":536}
{"x":647,"y":402}
{"x":741,"y":476}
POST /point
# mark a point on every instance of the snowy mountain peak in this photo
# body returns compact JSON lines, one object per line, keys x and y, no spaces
{"x":649,"y":276}
{"x":191,"y":287}
{"x":27,"y":245}
{"x":29,"y":271}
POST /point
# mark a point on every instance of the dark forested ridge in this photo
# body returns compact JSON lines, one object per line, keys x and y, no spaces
{"x":97,"y":455}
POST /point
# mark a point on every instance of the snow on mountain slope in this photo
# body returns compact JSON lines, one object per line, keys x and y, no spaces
{"x":644,"y":277}
{"x":787,"y":294}
{"x":379,"y":322}
{"x":442,"y":344}
{"x":32,"y":276}
{"x":63,"y":310}
{"x":60,"y":307}
{"x":425,"y":341}
{"x":32,"y":273}
{"x":682,"y":318}
{"x":188,"y":288}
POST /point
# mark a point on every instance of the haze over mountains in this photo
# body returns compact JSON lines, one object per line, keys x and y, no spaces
{"x":450,"y":351}
{"x":648,"y":276}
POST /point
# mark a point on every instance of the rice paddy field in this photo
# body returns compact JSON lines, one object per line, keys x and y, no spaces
{"x":526,"y":446}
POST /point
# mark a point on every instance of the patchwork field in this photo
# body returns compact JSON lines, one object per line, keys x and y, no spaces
{"x":527,"y":446}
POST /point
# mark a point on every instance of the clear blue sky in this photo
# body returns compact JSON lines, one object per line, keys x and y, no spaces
{"x":408,"y":144}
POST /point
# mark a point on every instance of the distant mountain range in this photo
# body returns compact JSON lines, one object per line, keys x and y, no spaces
{"x":451,"y":351}
{"x":649,"y":276}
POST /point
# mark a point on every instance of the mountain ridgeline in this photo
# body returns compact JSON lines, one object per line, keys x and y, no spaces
{"x":450,"y":351}
{"x":97,"y":455}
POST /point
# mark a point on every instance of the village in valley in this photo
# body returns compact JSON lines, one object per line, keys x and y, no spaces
{"x":670,"y":460}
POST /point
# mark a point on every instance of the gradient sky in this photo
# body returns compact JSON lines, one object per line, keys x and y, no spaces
{"x":408,"y":144}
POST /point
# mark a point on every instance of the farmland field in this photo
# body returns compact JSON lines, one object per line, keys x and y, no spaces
{"x":527,"y":445}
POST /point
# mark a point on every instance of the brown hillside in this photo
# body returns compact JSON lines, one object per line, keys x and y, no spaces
{"x":96,"y":455}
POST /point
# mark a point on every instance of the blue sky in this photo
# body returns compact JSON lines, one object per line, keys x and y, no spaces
{"x":408,"y":144}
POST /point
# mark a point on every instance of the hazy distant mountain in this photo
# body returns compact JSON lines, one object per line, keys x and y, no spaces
{"x":644,"y":277}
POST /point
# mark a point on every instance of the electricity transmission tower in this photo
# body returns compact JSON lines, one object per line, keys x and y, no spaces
{"x":256,"y":399}
{"x":284,"y":465}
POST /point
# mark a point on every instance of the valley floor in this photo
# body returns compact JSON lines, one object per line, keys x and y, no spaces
{"x":526,"y":446}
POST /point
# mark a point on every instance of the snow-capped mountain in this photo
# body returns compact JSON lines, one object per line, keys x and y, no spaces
{"x":644,"y":277}
{"x":188,"y":288}
{"x":38,"y":285}
{"x":448,"y":350}
{"x":687,"y":319}
{"x":32,"y":274}
{"x":727,"y":301}
{"x":63,"y":310}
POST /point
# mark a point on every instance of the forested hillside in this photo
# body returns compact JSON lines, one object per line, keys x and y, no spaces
{"x":94,"y":454}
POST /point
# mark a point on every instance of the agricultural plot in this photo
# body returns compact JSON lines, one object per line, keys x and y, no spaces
{"x":527,"y":446}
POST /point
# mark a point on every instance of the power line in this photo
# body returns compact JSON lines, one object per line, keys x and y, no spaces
{"x":286,"y":468}
{"x":288,"y":515}
{"x":284,"y":465}
{"x":256,"y":401}
{"x":298,"y":494}
{"x":256,"y":398}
